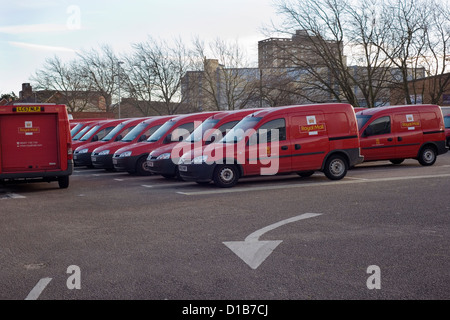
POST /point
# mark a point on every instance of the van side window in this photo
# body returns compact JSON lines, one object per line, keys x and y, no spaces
{"x":379,"y":126}
{"x":182,"y":132}
{"x":264,"y":133}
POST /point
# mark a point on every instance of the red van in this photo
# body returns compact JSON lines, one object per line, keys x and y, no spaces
{"x":101,"y":157}
{"x":95,"y":132}
{"x":133,"y":158}
{"x":82,"y":154}
{"x":301,"y":139}
{"x":35,"y":143}
{"x":396,"y":133}
{"x":164,"y":160}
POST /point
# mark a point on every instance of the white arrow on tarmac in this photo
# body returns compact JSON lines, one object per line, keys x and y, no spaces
{"x":253,"y":251}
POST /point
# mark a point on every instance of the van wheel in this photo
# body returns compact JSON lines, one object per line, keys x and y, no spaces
{"x":335,"y":167}
{"x":427,"y":156}
{"x":63,"y":182}
{"x":141,"y":167}
{"x":305,"y":174}
{"x":226,"y":175}
{"x":396,"y":161}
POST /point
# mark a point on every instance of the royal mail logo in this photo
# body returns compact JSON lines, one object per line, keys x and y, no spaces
{"x":29,"y":129}
{"x":314,"y":127}
{"x":411,"y":124}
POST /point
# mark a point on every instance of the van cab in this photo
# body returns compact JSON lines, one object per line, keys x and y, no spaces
{"x":82,"y":154}
{"x":164,"y":160}
{"x":292,"y":139}
{"x":35,"y":144}
{"x":101,"y":157}
{"x":133,"y":158}
{"x":396,"y":133}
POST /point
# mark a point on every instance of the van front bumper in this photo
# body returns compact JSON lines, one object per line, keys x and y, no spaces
{"x":162,"y":166}
{"x":196,"y":172}
{"x":103,"y":161}
{"x":82,"y":159}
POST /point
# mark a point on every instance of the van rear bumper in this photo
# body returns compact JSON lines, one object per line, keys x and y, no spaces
{"x":47,"y":175}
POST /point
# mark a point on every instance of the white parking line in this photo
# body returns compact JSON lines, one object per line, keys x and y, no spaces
{"x":10,"y":195}
{"x":308,"y":185}
{"x":38,"y":288}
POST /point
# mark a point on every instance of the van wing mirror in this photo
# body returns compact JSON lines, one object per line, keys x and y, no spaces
{"x":95,"y":138}
{"x":142,"y":138}
{"x":119,"y":137}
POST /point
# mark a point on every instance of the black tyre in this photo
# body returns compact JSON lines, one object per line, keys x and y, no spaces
{"x":226,"y":175}
{"x":427,"y":156}
{"x":336,"y":167}
{"x":141,"y":167}
{"x":396,"y":161}
{"x":63,"y":182}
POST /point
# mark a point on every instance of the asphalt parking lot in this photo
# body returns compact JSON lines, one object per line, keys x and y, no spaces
{"x":380,"y":233}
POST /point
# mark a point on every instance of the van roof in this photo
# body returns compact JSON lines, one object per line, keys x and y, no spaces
{"x":283,"y":109}
{"x":387,"y":109}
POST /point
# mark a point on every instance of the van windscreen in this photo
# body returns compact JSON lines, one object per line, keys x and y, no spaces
{"x":362,"y":120}
{"x":240,"y":130}
{"x":161,"y":131}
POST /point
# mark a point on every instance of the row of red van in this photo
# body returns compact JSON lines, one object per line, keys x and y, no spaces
{"x":225,"y":146}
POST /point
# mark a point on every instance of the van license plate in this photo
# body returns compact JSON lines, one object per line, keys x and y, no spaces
{"x":182,"y":168}
{"x":150,"y":163}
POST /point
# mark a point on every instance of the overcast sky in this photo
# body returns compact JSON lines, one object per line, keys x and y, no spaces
{"x":32,"y":30}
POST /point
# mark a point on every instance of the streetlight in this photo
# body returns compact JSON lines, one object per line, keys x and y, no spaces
{"x":118,"y":67}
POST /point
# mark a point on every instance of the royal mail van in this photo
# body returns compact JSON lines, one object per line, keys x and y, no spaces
{"x":164,"y":160}
{"x":97,"y":131}
{"x":101,"y":157}
{"x":396,"y":133}
{"x":133,"y":158}
{"x":82,"y":154}
{"x":35,"y":143}
{"x":301,"y":139}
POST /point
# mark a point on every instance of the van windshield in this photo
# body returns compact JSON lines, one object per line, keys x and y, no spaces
{"x":90,"y":133}
{"x":239,"y":131}
{"x":362,"y":120}
{"x":81,"y":133}
{"x":197,"y":134}
{"x":135,"y":132}
{"x":161,"y":131}
{"x":76,"y":129}
{"x":113,"y":132}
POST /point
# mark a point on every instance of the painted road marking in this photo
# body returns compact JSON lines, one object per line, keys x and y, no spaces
{"x":38,"y":288}
{"x":253,"y":251}
{"x":307,"y":185}
{"x":10,"y":195}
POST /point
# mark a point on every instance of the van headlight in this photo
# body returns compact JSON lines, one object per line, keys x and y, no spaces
{"x":103,"y":153}
{"x":125,"y":154}
{"x":85,"y":150}
{"x":199,"y":159}
{"x":163,"y":156}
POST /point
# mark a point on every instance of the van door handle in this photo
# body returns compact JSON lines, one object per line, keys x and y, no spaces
{"x":298,"y":147}
{"x":284,"y":147}
{"x":389,"y":139}
{"x":399,"y":138}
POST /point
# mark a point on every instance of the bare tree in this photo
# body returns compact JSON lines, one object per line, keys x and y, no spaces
{"x":226,"y":82}
{"x":156,"y":69}
{"x":67,"y":79}
{"x":102,"y":69}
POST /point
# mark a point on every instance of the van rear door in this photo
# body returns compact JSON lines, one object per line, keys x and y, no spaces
{"x":309,"y":140}
{"x":29,"y":142}
{"x":408,"y":134}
